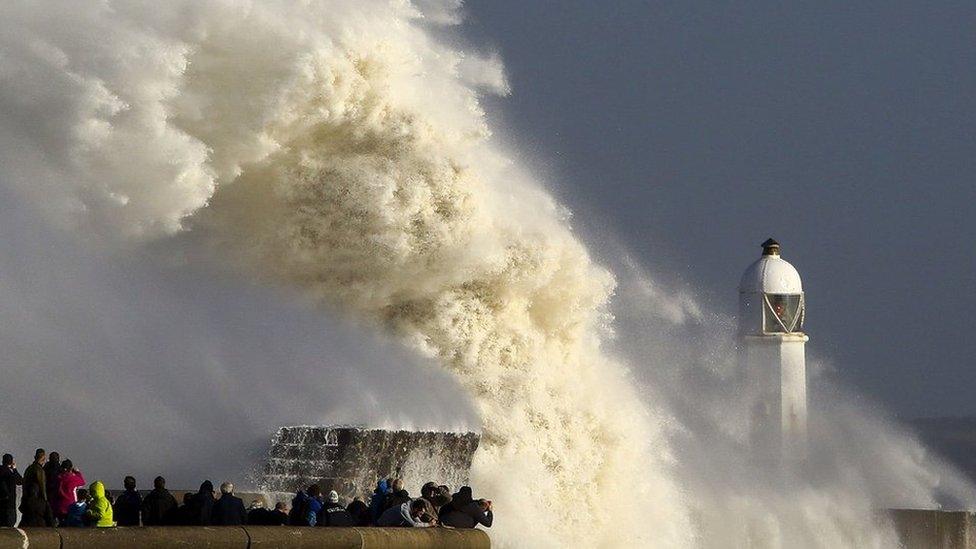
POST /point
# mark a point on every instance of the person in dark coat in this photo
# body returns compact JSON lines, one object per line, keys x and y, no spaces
{"x":257,"y":515}
{"x":359,"y":512}
{"x":159,"y":506}
{"x":184,"y":513}
{"x":128,"y":505}
{"x":10,"y":479}
{"x":297,"y":505}
{"x":229,"y":509}
{"x":438,"y":496}
{"x":279,"y":516}
{"x":52,"y":471}
{"x":398,"y":498}
{"x":34,"y":474}
{"x":395,"y":495}
{"x":201,"y":506}
{"x":34,"y":509}
{"x":416,"y":514}
{"x":334,"y":514}
{"x":464,"y":512}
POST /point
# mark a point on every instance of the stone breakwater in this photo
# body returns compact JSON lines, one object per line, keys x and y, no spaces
{"x":350,"y":460}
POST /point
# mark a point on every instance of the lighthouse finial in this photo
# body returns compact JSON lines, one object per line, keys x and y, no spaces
{"x":770,"y":247}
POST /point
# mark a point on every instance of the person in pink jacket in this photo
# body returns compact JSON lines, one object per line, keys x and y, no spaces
{"x":69,"y":480}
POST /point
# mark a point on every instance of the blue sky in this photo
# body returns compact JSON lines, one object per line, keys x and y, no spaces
{"x":694,"y":130}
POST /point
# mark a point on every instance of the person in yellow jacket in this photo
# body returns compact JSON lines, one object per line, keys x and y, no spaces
{"x":99,"y":512}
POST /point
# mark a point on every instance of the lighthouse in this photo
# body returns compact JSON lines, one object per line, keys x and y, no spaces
{"x":771,"y":350}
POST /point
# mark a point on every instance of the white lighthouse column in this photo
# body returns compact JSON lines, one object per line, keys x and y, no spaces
{"x":771,"y":310}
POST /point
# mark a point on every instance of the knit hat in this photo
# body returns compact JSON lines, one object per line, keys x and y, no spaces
{"x":333,"y":497}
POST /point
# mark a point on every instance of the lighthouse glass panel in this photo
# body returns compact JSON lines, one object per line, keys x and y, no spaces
{"x":783,"y":313}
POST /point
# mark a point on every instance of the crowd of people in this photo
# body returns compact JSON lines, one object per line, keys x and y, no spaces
{"x":54,"y":494}
{"x":391,"y":505}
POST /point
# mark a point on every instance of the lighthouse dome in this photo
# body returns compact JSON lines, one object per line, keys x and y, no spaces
{"x":771,"y":274}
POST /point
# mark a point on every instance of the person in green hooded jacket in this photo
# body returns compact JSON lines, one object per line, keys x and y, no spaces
{"x":99,"y":510}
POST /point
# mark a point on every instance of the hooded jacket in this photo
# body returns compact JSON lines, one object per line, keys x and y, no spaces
{"x":68,"y":482}
{"x":99,"y":509}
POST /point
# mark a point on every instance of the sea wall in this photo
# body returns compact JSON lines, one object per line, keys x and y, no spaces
{"x":917,"y":529}
{"x":242,"y":537}
{"x":931,"y":529}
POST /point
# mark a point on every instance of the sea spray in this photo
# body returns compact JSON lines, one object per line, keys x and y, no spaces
{"x":351,"y":159}
{"x":403,"y":218}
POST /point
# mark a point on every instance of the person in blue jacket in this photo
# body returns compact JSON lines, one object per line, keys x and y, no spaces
{"x":377,"y":503}
{"x":76,"y":511}
{"x":313,"y":506}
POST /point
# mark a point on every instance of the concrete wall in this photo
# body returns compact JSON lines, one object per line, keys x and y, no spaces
{"x":927,"y":529}
{"x":350,"y":460}
{"x":243,"y":537}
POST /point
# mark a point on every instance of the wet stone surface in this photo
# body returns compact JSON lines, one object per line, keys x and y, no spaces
{"x":349,"y":460}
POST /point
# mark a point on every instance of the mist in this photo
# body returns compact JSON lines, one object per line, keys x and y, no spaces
{"x":129,"y":364}
{"x":861,"y":461}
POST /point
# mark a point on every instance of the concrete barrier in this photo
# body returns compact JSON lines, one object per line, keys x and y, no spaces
{"x":37,"y":538}
{"x":243,"y":537}
{"x":267,"y":537}
{"x":211,"y":537}
{"x":916,"y":529}
{"x":418,"y":538}
{"x":12,"y":537}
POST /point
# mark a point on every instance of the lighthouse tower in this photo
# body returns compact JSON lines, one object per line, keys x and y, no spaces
{"x":771,"y":310}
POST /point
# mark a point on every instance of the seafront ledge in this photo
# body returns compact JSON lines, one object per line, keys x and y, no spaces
{"x":243,"y":537}
{"x":932,"y":529}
